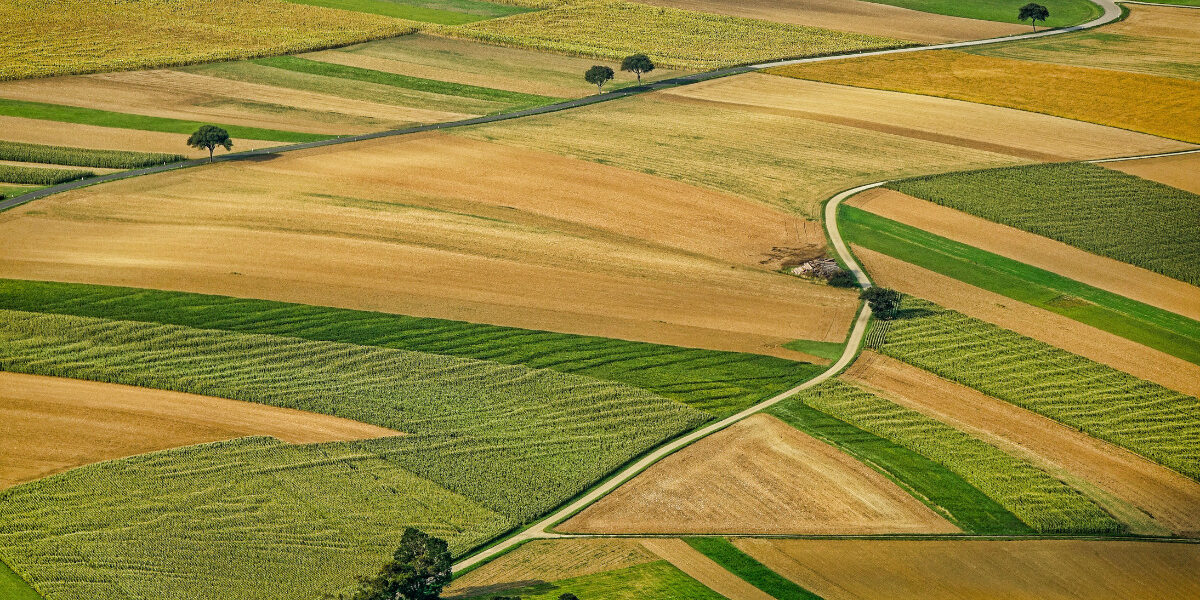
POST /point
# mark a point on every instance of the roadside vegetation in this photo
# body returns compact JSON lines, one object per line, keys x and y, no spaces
{"x":1106,"y":212}
{"x":1146,"y":418}
{"x":83,"y":157}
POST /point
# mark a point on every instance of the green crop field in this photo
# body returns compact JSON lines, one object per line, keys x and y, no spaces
{"x":104,"y":118}
{"x":1141,"y":222}
{"x":12,"y":587}
{"x":929,"y":481}
{"x":1041,"y":501}
{"x":1148,"y":325}
{"x":658,"y":580}
{"x":444,"y":12}
{"x":745,"y":566}
{"x":1146,"y":418}
{"x":247,"y":519}
{"x":82,"y":157}
{"x":40,"y":175}
{"x":1063,"y":13}
{"x":721,"y":383}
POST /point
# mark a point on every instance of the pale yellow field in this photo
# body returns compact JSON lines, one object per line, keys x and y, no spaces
{"x":444,"y":226}
{"x":1181,"y":171}
{"x":970,"y":569}
{"x":55,"y":424}
{"x":759,"y":476}
{"x":54,"y":133}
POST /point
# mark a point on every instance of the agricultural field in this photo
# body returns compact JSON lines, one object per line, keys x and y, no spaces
{"x":1155,"y":40}
{"x":1180,"y":171}
{"x":1063,"y":13}
{"x":442,"y":12}
{"x":1135,"y":101}
{"x":543,"y":561}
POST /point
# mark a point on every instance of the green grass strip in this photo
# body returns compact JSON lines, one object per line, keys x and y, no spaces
{"x":83,"y":157}
{"x":442,"y":12}
{"x":104,"y":118}
{"x":828,"y":350}
{"x":12,"y":587}
{"x":39,"y":175}
{"x":745,"y":566}
{"x":1159,"y":329}
{"x":931,"y":482}
{"x":1063,"y":13}
{"x":658,"y":580}
{"x":720,"y":383}
{"x":314,"y":67}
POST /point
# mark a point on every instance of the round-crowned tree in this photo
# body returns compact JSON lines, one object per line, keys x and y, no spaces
{"x":598,"y":76}
{"x":637,"y":64}
{"x":208,"y":137}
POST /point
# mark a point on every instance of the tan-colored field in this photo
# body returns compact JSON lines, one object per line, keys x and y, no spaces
{"x":763,"y":476}
{"x":179,"y":95}
{"x":443,"y":226}
{"x":855,"y":16}
{"x":1099,"y":271}
{"x":541,"y":561}
{"x":55,"y":424}
{"x":1156,"y":40}
{"x":971,"y":569}
{"x":1181,"y":171}
{"x":1163,"y":106}
{"x":54,"y":133}
{"x":1151,"y":498}
{"x":704,"y":569}
{"x":1064,"y":332}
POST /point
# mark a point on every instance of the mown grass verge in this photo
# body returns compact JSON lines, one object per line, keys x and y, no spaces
{"x":83,"y":157}
{"x":745,"y":566}
{"x":1154,"y":327}
{"x":929,"y":481}
{"x":39,"y":175}
{"x":1044,"y":503}
{"x":658,"y":580}
{"x":12,"y":587}
{"x":1106,"y":212}
{"x":104,"y":118}
{"x":1144,"y":417}
{"x":442,"y":12}
{"x":720,"y":383}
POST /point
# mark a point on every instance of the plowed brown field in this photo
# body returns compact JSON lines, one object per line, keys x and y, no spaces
{"x":763,"y":476}
{"x":54,"y":424}
{"x":704,"y":569}
{"x":1181,"y":171}
{"x":542,"y":561}
{"x":1066,"y":333}
{"x":1105,"y":273}
{"x":971,"y":569}
{"x":1143,"y":490}
{"x":855,"y":16}
{"x":448,"y":227}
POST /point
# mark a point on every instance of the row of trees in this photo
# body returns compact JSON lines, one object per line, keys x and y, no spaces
{"x":636,"y":64}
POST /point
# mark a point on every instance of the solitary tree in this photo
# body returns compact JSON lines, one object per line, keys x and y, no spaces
{"x":208,"y":137}
{"x":1033,"y":12}
{"x":638,"y":64}
{"x":883,"y":301}
{"x":419,"y":569}
{"x":598,"y":76}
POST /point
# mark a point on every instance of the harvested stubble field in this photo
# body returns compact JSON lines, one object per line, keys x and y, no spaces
{"x":1146,"y":418}
{"x":56,"y":133}
{"x":59,"y":424}
{"x":482,"y":241}
{"x":1041,"y":252}
{"x":720,"y":383}
{"x":704,"y":570}
{"x":1162,"y":106}
{"x":741,"y":564}
{"x":1156,"y":40}
{"x":1044,"y":503}
{"x":544,"y":561}
{"x":659,"y":580}
{"x":1033,"y":321}
{"x":1146,"y":496}
{"x":743,"y":480}
{"x":613,"y":29}
{"x":1180,"y":171}
{"x":88,"y":36}
{"x":854,"y":15}
{"x":1141,"y":222}
{"x":970,"y":569}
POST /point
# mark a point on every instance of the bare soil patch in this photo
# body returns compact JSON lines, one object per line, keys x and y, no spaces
{"x":854,"y":16}
{"x":55,"y":424}
{"x":758,"y":476}
{"x":1181,"y":171}
{"x":447,"y":227}
{"x":1170,"y":499}
{"x":958,"y":569}
{"x":1068,"y":334}
{"x":1099,"y":271}
{"x":54,"y":133}
{"x":704,"y":569}
{"x":542,"y":561}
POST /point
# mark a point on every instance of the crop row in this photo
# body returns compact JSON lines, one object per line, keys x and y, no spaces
{"x":1041,"y":501}
{"x":39,"y":175}
{"x":82,"y":157}
{"x":1134,"y":220}
{"x":1144,"y":417}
